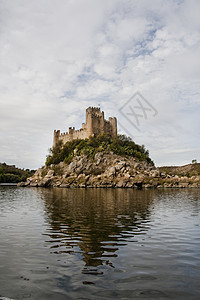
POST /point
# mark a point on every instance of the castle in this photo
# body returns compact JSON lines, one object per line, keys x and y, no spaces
{"x":94,"y":125}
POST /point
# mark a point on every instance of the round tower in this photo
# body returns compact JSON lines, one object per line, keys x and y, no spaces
{"x":89,"y":121}
{"x":56,"y":136}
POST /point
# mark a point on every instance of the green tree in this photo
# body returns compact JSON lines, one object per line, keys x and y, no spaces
{"x":194,"y":161}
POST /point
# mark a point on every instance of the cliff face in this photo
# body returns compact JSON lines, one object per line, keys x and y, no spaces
{"x":108,"y":170}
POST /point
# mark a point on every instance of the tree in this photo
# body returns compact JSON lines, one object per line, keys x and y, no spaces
{"x":194,"y":161}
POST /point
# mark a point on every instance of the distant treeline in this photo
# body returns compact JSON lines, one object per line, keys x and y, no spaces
{"x":11,"y":174}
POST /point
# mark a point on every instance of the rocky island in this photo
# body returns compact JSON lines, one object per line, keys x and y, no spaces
{"x":108,"y":170}
{"x":95,"y":156}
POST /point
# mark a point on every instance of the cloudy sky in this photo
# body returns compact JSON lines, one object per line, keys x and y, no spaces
{"x":59,"y":57}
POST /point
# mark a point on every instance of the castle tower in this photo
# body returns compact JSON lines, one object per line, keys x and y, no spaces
{"x":113,"y":124}
{"x":95,"y":124}
{"x":89,"y":121}
{"x":56,"y":136}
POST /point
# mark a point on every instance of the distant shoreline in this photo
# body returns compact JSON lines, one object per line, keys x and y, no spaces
{"x":8,"y":184}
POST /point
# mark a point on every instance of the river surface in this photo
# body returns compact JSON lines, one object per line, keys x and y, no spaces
{"x":99,"y":243}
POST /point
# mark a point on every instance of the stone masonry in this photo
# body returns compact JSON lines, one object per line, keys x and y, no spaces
{"x":94,"y":125}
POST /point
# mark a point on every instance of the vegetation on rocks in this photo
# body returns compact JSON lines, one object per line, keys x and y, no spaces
{"x":121,"y":145}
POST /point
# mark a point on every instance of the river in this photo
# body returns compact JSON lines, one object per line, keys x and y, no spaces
{"x":99,"y":243}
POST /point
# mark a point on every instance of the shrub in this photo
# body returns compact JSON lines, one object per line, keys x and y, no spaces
{"x":58,"y":170}
{"x":68,"y":159}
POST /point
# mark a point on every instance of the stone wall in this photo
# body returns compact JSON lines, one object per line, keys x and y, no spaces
{"x":95,"y":124}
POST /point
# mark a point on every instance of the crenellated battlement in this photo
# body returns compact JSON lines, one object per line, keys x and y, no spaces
{"x":94,"y":125}
{"x":96,"y":116}
{"x":94,"y":109}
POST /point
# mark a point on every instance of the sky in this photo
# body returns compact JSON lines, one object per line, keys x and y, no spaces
{"x":139,"y":60}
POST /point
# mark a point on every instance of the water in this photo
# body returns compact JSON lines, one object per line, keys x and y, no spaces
{"x":99,"y":243}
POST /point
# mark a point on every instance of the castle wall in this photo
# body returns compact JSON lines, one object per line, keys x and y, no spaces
{"x":95,"y":124}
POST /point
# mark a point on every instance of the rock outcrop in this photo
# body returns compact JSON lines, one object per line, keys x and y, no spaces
{"x":108,"y":170}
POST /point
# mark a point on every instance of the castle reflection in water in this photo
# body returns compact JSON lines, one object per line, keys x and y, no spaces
{"x":94,"y":223}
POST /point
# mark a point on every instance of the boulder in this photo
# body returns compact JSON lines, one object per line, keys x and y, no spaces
{"x":72,"y":166}
{"x":45,"y":182}
{"x":112,"y":171}
{"x":120,"y":165}
{"x":120,"y":184}
{"x":98,"y":155}
{"x":64,"y":185}
{"x":155,"y":173}
{"x":34,"y":184}
{"x":23,"y":184}
{"x":183,"y":184}
{"x":147,"y":186}
{"x":50,"y":173}
{"x":129,"y":184}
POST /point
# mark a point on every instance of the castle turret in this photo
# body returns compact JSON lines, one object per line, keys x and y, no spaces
{"x":71,"y":130}
{"x":89,"y":121}
{"x":56,"y":137}
{"x":113,"y":125}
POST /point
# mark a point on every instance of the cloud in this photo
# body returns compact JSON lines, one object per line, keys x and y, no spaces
{"x":58,"y":59}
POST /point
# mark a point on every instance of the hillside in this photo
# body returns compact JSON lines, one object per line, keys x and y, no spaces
{"x":187,"y":170}
{"x":121,"y":145}
{"x":11,"y":174}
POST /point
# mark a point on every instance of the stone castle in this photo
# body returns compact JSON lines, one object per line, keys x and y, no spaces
{"x":94,"y":125}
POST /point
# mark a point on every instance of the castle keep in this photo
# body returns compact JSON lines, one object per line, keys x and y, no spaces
{"x":94,"y":125}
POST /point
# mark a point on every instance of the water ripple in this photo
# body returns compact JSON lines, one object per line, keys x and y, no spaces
{"x":97,"y":244}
